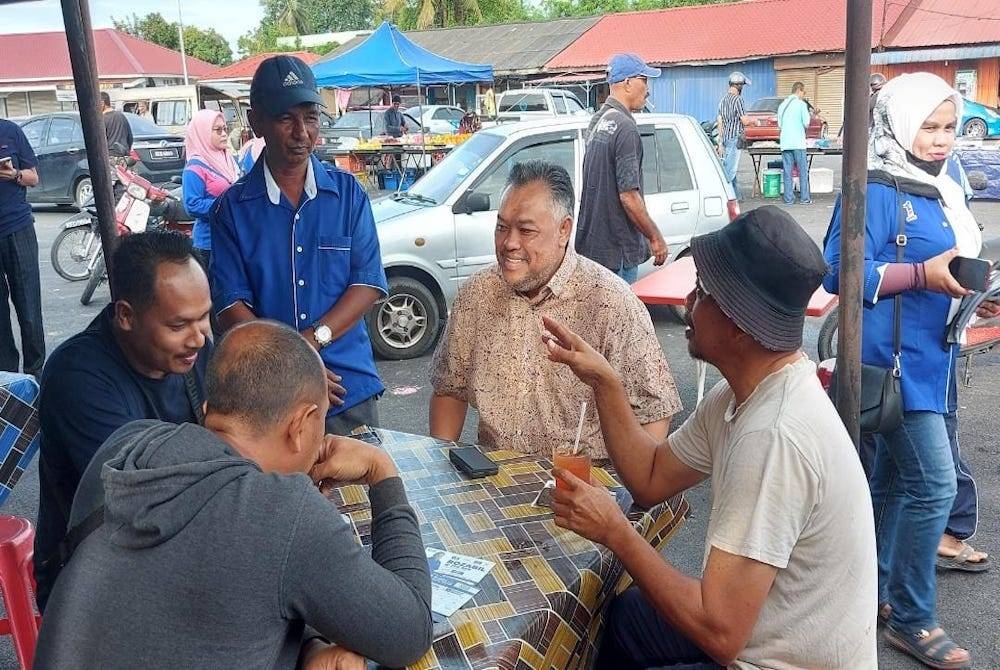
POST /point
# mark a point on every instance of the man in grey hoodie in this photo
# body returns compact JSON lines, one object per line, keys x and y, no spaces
{"x":216,"y":550}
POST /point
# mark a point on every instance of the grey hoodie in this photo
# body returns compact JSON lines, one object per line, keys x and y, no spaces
{"x":204,"y":561}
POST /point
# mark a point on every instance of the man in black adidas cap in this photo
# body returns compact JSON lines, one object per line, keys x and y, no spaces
{"x":790,"y":571}
{"x":294,"y":241}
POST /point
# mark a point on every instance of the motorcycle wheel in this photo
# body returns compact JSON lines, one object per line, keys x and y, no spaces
{"x":71,"y":252}
{"x":826,"y":343}
{"x":96,"y":277}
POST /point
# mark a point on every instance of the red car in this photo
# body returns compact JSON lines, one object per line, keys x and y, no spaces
{"x":764,"y":121}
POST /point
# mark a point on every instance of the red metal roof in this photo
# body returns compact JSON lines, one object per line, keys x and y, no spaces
{"x":45,"y":56}
{"x":244,"y":69}
{"x":930,"y":23}
{"x":721,"y":32}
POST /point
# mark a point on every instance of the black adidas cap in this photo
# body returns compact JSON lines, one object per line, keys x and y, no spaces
{"x":282,"y":82}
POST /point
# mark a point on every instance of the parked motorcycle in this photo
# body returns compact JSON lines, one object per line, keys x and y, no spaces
{"x":140,"y":207}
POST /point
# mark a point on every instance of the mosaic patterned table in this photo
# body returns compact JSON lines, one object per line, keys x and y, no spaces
{"x":542,"y":605}
{"x":18,"y":428}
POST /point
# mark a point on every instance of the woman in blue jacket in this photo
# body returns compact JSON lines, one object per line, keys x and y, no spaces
{"x":210,"y":170}
{"x":913,"y":481}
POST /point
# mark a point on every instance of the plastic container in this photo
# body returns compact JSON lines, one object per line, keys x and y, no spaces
{"x":390,"y":180}
{"x":409,"y":177}
{"x":821,"y":180}
{"x":772,"y":184}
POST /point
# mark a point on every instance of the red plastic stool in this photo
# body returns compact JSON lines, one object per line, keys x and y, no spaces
{"x":17,"y":582}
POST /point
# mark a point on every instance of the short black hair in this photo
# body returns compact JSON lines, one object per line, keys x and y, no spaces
{"x":555,"y":178}
{"x":798,"y":86}
{"x":137,"y":259}
{"x":260,"y":370}
{"x":105,"y":98}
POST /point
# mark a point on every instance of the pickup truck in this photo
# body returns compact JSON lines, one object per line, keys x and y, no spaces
{"x":536,"y":103}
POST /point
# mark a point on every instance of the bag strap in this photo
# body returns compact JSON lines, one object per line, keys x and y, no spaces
{"x":194,"y":396}
{"x":897,"y":307}
{"x":74,"y":538}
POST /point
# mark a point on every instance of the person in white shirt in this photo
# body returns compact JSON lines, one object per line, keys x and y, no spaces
{"x":790,"y":575}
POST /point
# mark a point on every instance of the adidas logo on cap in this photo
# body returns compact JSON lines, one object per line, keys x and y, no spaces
{"x":293,"y":80}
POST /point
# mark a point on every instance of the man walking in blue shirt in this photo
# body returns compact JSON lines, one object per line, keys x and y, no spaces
{"x":793,"y":119}
{"x":295,"y":242}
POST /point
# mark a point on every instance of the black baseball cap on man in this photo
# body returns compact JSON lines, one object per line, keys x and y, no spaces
{"x":282,"y":82}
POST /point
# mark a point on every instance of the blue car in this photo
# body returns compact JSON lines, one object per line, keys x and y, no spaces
{"x":978,"y":120}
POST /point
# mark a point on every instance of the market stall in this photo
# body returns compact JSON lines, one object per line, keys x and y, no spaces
{"x":389,"y":58}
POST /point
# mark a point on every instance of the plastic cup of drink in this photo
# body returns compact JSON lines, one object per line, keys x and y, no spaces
{"x":578,"y":464}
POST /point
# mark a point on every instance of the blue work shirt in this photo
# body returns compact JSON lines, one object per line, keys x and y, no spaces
{"x":15,"y":212}
{"x":927,"y":361}
{"x":793,"y":119}
{"x":292,"y":264}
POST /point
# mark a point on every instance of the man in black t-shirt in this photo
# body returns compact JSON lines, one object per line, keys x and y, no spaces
{"x":614,"y":227}
{"x":116,"y":127}
{"x":395,"y":122}
{"x":143,"y":357}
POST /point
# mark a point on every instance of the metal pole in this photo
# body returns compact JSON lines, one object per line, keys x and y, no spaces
{"x":80,"y":39}
{"x":180,"y":31}
{"x":852,"y":237}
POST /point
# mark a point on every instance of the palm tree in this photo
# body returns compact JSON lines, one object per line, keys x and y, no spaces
{"x":439,"y":13}
{"x":293,"y":18}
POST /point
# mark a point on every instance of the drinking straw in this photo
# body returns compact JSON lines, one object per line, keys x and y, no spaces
{"x":579,"y":428}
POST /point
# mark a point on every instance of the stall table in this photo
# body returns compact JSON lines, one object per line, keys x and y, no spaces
{"x":367,"y":163}
{"x":18,"y":427}
{"x":542,"y":605}
{"x":757,"y":154}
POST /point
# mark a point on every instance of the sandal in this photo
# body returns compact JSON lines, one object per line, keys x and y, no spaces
{"x":931,"y":649}
{"x":961,"y":561}
{"x":884,"y":612}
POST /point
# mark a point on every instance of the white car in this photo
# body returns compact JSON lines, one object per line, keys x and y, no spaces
{"x":438,"y":119}
{"x":437,"y":234}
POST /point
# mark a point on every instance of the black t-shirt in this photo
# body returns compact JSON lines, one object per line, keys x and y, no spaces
{"x":119,"y":133}
{"x":15,"y":212}
{"x":394,"y":122}
{"x":612,"y":165}
{"x":89,"y":391}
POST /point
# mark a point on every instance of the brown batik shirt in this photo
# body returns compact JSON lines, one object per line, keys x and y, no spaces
{"x":492,"y":356}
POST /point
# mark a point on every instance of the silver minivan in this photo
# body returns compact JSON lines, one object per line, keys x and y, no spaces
{"x":438,"y":233}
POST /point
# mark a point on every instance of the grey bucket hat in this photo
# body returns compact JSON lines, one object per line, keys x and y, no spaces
{"x":761,"y":269}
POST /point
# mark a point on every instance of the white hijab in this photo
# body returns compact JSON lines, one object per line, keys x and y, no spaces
{"x":903,"y":104}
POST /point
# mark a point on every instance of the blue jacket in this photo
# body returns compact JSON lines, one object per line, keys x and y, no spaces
{"x":927,"y":361}
{"x":202,"y":185}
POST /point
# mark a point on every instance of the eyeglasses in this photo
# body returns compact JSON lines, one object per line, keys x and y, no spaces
{"x":700,"y":291}
{"x":222,"y":130}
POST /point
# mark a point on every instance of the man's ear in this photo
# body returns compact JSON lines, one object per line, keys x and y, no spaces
{"x":253,"y":117}
{"x":298,"y":426}
{"x":565,"y":228}
{"x":125,"y":315}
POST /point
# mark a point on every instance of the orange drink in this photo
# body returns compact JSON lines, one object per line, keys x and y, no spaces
{"x":578,"y":464}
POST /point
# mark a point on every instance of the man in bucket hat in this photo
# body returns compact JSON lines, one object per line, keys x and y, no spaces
{"x":789,"y":575}
{"x":295,"y":241}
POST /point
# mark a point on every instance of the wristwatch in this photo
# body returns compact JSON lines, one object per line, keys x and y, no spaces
{"x":322,"y":334}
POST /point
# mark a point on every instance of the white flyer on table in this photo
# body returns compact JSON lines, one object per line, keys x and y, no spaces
{"x":453,"y":579}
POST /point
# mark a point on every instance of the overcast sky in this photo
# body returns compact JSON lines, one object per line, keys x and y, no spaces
{"x":232,"y":18}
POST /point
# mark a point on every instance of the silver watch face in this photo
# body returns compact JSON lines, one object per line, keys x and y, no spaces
{"x":323,"y":334}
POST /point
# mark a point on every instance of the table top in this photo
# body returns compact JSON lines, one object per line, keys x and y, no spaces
{"x":18,"y":427}
{"x":776,"y":151}
{"x":542,"y":604}
{"x":394,"y":149}
{"x":671,"y":285}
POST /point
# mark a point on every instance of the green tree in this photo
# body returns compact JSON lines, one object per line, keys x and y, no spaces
{"x":208,"y":45}
{"x":553,"y":9}
{"x":285,"y":18}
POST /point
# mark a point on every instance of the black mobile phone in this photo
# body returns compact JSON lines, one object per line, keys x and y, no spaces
{"x":472,"y":462}
{"x":971,"y":273}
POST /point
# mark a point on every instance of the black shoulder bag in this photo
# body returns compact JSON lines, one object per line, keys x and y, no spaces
{"x":881,"y":395}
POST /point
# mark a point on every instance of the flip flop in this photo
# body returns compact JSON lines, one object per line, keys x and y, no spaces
{"x":929,"y":649}
{"x":884,"y":612}
{"x":961,"y":561}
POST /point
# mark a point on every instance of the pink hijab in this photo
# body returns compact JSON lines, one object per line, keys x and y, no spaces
{"x":198,"y":144}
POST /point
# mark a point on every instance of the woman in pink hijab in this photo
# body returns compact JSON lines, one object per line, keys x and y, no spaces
{"x":210,"y":170}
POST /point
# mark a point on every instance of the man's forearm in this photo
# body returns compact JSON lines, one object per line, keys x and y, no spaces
{"x":447,"y":417}
{"x":676,"y":596}
{"x":635,"y":209}
{"x":351,"y":308}
{"x":235,"y":314}
{"x":632,"y":449}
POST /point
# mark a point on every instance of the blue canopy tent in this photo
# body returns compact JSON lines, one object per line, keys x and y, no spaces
{"x":389,"y":58}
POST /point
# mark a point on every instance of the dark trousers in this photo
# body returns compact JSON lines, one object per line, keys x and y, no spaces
{"x":21,"y":285}
{"x":365,"y":413}
{"x":637,"y":638}
{"x":965,"y":510}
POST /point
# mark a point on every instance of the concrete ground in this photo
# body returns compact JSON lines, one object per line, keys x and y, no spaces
{"x":967,"y":604}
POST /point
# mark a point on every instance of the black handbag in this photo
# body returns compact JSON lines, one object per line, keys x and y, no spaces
{"x":881,"y":394}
